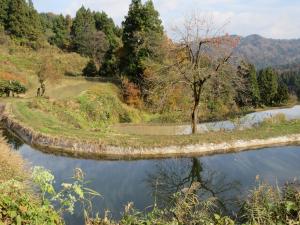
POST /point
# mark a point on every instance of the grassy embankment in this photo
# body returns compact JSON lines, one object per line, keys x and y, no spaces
{"x":82,"y":109}
{"x":90,"y":115}
{"x":22,"y":64}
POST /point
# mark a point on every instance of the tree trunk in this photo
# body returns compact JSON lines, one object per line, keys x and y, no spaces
{"x":195,"y":117}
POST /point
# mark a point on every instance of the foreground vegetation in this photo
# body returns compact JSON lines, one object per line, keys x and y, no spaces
{"x":265,"y":205}
{"x":18,"y":203}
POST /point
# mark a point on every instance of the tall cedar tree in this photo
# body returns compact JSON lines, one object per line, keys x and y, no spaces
{"x":255,"y":93}
{"x":282,"y":93}
{"x":3,"y":12}
{"x":23,"y":21}
{"x":141,"y":23}
{"x":61,"y":32}
{"x":268,"y":85}
{"x":247,"y":87}
{"x":82,"y":28}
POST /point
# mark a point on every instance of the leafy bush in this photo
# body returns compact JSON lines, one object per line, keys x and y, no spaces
{"x":66,"y":198}
{"x":90,"y":70}
{"x":17,"y":88}
{"x":11,"y":86}
{"x":17,"y":206}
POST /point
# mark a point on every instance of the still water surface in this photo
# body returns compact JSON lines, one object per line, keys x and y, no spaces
{"x":227,"y":176}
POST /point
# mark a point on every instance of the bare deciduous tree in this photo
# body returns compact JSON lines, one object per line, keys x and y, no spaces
{"x":97,"y":45}
{"x":47,"y":72}
{"x":203,"y":50}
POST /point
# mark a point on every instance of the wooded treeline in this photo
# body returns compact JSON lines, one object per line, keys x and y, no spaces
{"x":197,"y":71}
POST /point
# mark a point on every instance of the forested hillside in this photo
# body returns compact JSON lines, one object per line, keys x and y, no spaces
{"x":264,"y":52}
{"x":154,"y":73}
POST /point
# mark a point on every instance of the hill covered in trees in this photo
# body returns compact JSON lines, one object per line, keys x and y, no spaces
{"x":154,"y":72}
{"x":264,"y":52}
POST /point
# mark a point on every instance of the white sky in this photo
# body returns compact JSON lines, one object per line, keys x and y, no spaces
{"x":269,"y":18}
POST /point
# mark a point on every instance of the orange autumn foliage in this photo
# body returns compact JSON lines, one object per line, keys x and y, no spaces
{"x":131,"y":93}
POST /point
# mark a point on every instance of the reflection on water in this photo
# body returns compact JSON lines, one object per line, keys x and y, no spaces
{"x":227,"y":177}
{"x":172,"y":176}
{"x":11,"y":139}
{"x":247,"y":121}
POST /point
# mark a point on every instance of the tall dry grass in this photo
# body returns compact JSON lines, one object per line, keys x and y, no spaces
{"x":11,"y":163}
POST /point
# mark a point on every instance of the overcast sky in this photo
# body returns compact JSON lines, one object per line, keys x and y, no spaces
{"x":269,"y":18}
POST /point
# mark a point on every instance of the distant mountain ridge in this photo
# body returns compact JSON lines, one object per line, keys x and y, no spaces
{"x":263,"y":52}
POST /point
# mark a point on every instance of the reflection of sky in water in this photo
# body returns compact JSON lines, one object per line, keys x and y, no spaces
{"x":121,"y":182}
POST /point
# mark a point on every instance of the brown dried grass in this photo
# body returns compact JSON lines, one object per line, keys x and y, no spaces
{"x":11,"y":163}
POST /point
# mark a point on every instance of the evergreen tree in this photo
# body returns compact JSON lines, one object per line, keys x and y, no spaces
{"x":47,"y":20}
{"x":110,"y":65}
{"x":23,"y":21}
{"x":82,"y":28}
{"x":282,"y":95}
{"x":268,"y":85}
{"x":106,"y":25}
{"x":141,"y":28}
{"x":61,"y":31}
{"x":247,"y":86}
{"x":3,"y":12}
{"x":255,"y":94}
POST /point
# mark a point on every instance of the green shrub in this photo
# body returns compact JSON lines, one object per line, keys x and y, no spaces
{"x":90,"y":70}
{"x":17,"y":88}
{"x":11,"y":87}
{"x":17,"y":206}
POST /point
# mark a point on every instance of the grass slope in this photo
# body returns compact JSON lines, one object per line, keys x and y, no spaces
{"x":22,"y":63}
{"x":87,"y":115}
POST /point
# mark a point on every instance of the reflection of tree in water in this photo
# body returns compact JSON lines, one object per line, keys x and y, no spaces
{"x":11,"y":139}
{"x":172,"y":176}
